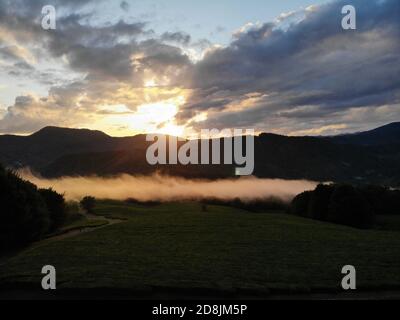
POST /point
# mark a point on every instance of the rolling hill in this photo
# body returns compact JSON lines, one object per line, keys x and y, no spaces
{"x":365,"y":157}
{"x":167,"y":249}
{"x":386,"y":135}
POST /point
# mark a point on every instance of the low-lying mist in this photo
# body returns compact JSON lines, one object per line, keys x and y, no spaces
{"x":165,"y":188}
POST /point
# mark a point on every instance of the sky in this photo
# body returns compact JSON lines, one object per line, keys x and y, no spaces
{"x":211,"y":20}
{"x":176,"y":67}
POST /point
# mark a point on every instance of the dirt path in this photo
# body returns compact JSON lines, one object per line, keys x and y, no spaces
{"x":65,"y":235}
{"x":78,"y":231}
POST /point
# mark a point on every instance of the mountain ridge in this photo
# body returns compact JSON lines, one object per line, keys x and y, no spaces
{"x":387,"y":134}
{"x":390,"y":128}
{"x":366,"y":157}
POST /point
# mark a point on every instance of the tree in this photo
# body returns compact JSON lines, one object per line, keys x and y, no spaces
{"x":341,"y":204}
{"x":299,"y":205}
{"x":88,"y":204}
{"x":349,"y":206}
{"x":24,"y":215}
{"x":319,"y":202}
{"x":56,"y":206}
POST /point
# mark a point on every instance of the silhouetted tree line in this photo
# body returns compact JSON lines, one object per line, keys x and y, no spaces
{"x":26,"y":212}
{"x":143,"y":203}
{"x":346,"y":204}
{"x":257,"y":205}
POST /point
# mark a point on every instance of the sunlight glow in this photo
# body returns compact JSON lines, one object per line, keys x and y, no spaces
{"x":150,"y":83}
{"x":160,"y":117}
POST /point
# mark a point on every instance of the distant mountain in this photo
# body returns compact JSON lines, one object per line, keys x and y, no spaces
{"x":321,"y":160}
{"x":45,"y":146}
{"x":386,"y":135}
{"x":365,"y":157}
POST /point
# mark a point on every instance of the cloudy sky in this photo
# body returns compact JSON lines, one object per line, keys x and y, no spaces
{"x":177,"y":66}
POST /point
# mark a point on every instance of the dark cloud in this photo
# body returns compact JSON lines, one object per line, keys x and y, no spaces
{"x":312,"y":63}
{"x":113,"y":51}
{"x":33,"y":7}
{"x":24,"y":66}
{"x":13,"y":53}
{"x":113,"y":60}
{"x":177,"y":37}
{"x":101,"y":51}
{"x":308,"y":74}
{"x":124,"y":6}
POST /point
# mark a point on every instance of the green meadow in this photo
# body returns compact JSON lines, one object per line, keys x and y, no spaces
{"x":187,"y":248}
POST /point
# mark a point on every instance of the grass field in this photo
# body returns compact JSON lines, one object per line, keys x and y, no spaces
{"x":178,"y":246}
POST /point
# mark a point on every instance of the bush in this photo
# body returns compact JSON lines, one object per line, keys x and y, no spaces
{"x":72,"y":207}
{"x":88,"y":204}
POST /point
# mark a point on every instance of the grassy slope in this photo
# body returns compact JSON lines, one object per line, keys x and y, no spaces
{"x":177,"y":245}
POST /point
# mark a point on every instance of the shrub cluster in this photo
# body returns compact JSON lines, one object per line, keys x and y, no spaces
{"x":346,"y":204}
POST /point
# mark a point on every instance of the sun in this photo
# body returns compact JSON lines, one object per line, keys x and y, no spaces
{"x":157,"y":117}
{"x":150,"y":83}
{"x":152,"y":117}
{"x":172,"y":130}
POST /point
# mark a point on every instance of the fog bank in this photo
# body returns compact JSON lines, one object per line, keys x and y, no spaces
{"x":163,"y":188}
